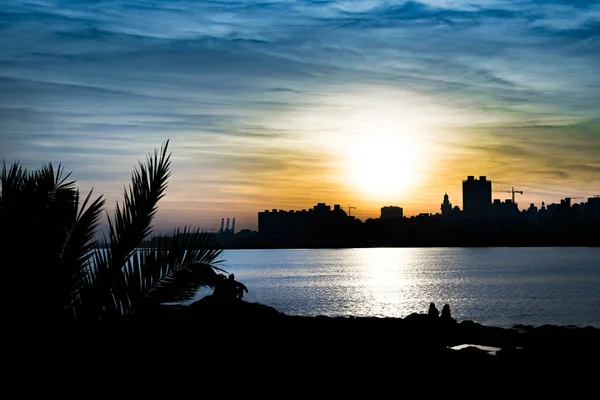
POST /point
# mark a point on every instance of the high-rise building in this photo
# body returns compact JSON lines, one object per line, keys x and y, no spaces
{"x":391,"y":212}
{"x":477,"y":197}
{"x":593,"y":208}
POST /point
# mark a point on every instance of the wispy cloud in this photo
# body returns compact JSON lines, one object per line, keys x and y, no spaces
{"x":95,"y":84}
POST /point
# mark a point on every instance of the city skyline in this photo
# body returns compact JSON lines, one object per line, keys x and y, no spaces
{"x":494,"y":201}
{"x":283,"y":105}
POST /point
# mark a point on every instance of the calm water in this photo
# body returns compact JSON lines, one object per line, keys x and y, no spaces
{"x":493,"y":286}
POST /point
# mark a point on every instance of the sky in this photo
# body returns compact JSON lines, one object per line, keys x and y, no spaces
{"x":286,"y":104}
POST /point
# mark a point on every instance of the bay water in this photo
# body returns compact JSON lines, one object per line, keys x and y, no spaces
{"x":493,"y":286}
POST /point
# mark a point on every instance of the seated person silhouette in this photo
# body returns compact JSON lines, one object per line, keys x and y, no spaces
{"x":228,"y":288}
{"x":222,"y":287}
{"x":240,"y":288}
{"x":433,"y":311}
{"x":237,"y":288}
{"x":446,"y":316}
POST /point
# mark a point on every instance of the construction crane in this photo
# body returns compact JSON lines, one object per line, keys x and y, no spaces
{"x":350,"y":207}
{"x":513,"y":191}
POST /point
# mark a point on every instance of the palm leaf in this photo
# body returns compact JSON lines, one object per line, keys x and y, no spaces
{"x":12,"y":179}
{"x":93,"y":300}
{"x":39,"y":209}
{"x":105,"y":293}
{"x":54,"y":178}
{"x":171,"y":268}
{"x":132,"y":221}
{"x":79,"y":244}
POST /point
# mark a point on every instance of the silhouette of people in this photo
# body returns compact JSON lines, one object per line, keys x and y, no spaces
{"x":446,"y":317}
{"x":446,"y":312}
{"x":237,"y":288}
{"x":220,"y":289}
{"x":228,"y":288}
{"x":240,"y":288}
{"x":433,"y":311}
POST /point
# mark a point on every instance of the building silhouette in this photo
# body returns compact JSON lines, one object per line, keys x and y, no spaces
{"x":391,"y":212}
{"x":477,"y":197}
{"x":320,"y":224}
{"x":532,"y":213}
{"x":593,"y":209}
{"x":504,"y":210}
{"x":480,"y":223}
{"x":446,"y":206}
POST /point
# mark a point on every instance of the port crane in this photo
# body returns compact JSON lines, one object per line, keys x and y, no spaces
{"x":512,"y":191}
{"x":350,"y":207}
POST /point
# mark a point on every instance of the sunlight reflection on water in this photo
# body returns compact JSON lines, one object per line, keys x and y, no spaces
{"x":495,"y":286}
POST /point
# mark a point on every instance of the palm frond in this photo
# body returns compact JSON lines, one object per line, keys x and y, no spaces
{"x":12,"y":179}
{"x":106,"y":290}
{"x":172,"y":268}
{"x":93,"y":299}
{"x":55,"y":178}
{"x":106,"y":279}
{"x":39,"y":210}
{"x":79,"y":243}
{"x":132,"y":221}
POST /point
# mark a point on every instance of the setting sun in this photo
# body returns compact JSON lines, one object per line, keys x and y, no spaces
{"x":383,"y":165}
{"x":383,"y":160}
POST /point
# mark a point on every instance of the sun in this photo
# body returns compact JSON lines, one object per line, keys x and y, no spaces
{"x":383,"y":165}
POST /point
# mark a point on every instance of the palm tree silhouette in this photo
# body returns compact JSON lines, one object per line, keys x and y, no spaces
{"x":56,"y":268}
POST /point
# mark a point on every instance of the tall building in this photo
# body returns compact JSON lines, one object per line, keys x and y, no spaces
{"x":593,"y":208}
{"x":391,"y":212}
{"x":446,"y":206}
{"x":477,"y":197}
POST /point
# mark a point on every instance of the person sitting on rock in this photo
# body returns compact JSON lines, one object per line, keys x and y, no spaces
{"x":235,"y":289}
{"x":446,"y":314}
{"x":220,"y":290}
{"x":228,"y":288}
{"x":433,"y":311}
{"x":240,"y":288}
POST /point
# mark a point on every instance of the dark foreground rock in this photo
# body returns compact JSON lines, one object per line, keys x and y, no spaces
{"x":215,"y":338}
{"x":260,"y":334}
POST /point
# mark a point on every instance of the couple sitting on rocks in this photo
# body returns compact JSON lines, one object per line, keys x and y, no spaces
{"x":434,"y":313}
{"x":228,"y":288}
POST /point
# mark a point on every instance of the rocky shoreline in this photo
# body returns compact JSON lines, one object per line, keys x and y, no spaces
{"x":343,"y":344}
{"x":211,"y":338}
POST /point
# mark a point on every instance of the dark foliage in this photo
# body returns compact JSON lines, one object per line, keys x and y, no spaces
{"x":57,"y":270}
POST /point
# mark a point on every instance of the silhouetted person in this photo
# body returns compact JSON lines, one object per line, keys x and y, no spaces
{"x":433,"y":311}
{"x":228,"y":288}
{"x":446,"y":312}
{"x":240,"y":289}
{"x":237,"y":288}
{"x":221,"y":287}
{"x":446,"y":317}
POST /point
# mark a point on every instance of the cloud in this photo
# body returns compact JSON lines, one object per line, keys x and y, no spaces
{"x":258,"y":87}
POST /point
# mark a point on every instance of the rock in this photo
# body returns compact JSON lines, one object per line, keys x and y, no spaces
{"x":210,"y":307}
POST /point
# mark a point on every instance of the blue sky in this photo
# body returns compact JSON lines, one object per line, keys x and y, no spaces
{"x":272,"y":104}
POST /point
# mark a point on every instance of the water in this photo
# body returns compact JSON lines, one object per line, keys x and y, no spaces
{"x":493,"y":286}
